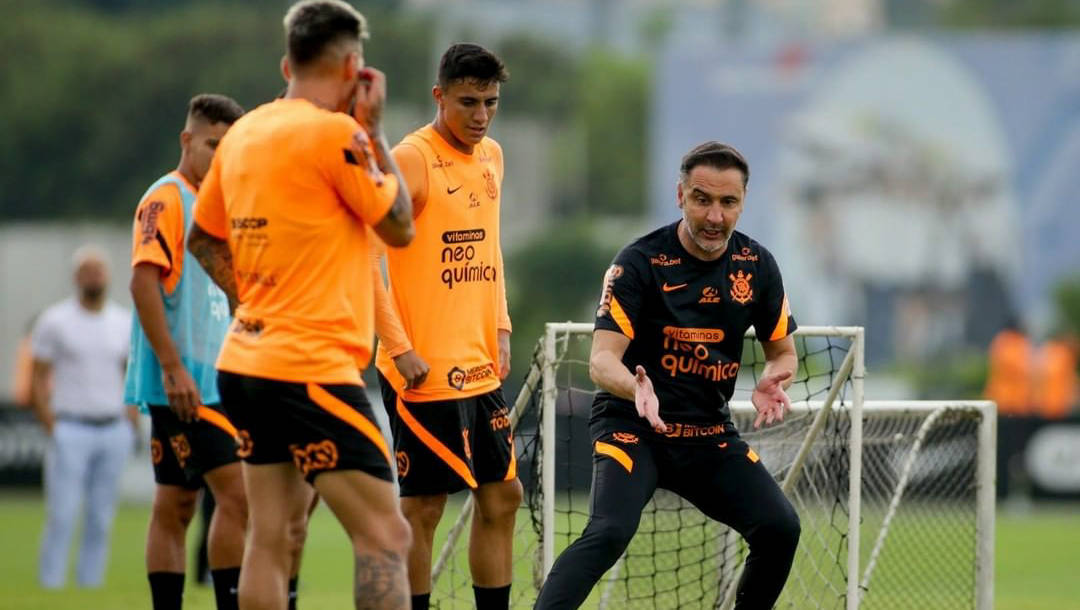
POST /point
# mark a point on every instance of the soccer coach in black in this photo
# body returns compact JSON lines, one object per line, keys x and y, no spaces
{"x":666,"y":350}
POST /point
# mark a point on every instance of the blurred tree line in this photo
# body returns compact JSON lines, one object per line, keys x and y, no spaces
{"x":983,"y":14}
{"x":94,"y":93}
{"x":93,"y":100}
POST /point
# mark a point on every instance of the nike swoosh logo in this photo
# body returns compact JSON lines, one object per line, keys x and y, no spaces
{"x":667,"y":288}
{"x":450,"y":191}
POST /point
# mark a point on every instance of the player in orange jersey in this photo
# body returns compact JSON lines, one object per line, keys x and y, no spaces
{"x":442,"y":385}
{"x":281,"y":227}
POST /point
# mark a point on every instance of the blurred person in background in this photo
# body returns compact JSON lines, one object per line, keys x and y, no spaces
{"x":1009,"y":384}
{"x":81,"y":345}
{"x":1055,"y":376}
{"x":181,"y":324}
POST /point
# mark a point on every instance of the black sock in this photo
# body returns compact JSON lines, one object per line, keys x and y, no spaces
{"x":494,"y":598}
{"x":226,"y":586}
{"x":166,"y":590}
{"x":420,"y":602}
{"x":292,"y":592}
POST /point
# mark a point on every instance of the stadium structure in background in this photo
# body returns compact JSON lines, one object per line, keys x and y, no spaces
{"x":928,"y":182}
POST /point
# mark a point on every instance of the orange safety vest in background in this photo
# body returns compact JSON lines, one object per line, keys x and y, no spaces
{"x":1009,"y":378}
{"x":1055,"y":383}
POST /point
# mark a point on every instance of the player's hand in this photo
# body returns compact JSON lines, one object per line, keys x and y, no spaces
{"x":181,"y":391}
{"x":370,"y":99}
{"x":648,"y":406}
{"x":504,"y":354}
{"x":770,"y":399}
{"x":48,"y":422}
{"x":412,"y":367}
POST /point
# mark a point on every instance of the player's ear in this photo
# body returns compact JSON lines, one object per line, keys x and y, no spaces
{"x":679,"y":193}
{"x":286,"y":71}
{"x":437,"y":94}
{"x":353,"y":63}
{"x":185,"y":139}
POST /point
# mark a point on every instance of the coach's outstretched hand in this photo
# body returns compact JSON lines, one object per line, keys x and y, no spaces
{"x":645,"y":400}
{"x":770,"y":399}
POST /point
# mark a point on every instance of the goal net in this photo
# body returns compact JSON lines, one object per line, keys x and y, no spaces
{"x":895,"y":498}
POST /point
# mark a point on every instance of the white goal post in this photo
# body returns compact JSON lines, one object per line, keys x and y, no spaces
{"x":891,"y":493}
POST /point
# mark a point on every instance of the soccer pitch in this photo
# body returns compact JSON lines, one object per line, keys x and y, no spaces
{"x":1035,"y":569}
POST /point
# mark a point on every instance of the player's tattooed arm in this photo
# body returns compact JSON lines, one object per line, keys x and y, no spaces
{"x":216,"y":259}
{"x":396,"y":228}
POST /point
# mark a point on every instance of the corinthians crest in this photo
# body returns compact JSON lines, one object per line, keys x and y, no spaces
{"x":741,"y":292}
{"x":490,"y":187}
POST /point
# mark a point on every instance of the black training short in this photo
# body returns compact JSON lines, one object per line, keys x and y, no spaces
{"x":183,"y":452}
{"x":448,"y":445}
{"x":318,"y":427}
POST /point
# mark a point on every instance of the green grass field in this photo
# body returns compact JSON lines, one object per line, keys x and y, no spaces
{"x":1036,"y":566}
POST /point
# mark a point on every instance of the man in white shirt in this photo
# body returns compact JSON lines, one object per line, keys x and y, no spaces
{"x":81,"y":343}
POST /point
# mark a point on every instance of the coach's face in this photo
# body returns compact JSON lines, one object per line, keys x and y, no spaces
{"x":200,"y":142}
{"x":711,"y":201}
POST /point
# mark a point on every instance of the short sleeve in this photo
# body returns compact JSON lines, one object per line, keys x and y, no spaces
{"x":158,"y":231}
{"x":356,"y":176}
{"x":210,"y":212}
{"x":622,"y":294}
{"x":772,"y":313}
{"x":45,"y":340}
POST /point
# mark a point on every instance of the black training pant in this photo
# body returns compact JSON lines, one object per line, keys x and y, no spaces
{"x":722,"y":477}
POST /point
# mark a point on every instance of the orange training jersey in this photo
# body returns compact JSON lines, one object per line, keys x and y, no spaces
{"x":158,"y":231}
{"x":291,"y":189}
{"x":447,"y":285}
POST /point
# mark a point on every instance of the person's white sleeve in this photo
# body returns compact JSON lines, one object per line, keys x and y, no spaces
{"x":43,"y":340}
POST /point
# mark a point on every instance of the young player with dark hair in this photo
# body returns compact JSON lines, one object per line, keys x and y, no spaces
{"x":441,"y":382}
